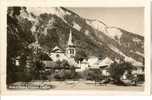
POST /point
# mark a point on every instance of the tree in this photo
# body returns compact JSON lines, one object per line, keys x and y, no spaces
{"x":65,"y":70}
{"x":38,"y":67}
{"x":80,"y":55}
{"x":38,"y":70}
{"x":117,"y":70}
{"x":65,"y":63}
{"x":16,"y":44}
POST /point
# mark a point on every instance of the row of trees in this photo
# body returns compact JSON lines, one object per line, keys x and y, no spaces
{"x":116,"y":71}
{"x":19,"y":36}
{"x":38,"y":72}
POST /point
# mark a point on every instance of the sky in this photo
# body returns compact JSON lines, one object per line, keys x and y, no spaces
{"x":130,"y":19}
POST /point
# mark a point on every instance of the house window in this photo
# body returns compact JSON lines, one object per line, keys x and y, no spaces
{"x":17,"y":63}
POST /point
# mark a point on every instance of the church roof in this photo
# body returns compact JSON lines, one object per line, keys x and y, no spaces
{"x":70,"y":43}
{"x":57,"y":49}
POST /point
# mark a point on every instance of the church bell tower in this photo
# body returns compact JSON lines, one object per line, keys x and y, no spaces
{"x":70,"y":51}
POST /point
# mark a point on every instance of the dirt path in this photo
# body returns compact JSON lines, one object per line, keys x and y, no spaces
{"x":84,"y":85}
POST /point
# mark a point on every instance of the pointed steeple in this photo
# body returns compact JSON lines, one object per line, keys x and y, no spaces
{"x":70,"y":50}
{"x":70,"y":43}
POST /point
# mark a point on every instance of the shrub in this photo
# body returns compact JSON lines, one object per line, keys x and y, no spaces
{"x":64,"y":74}
{"x":92,"y":74}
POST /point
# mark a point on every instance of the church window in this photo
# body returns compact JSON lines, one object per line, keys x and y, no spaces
{"x":57,"y":55}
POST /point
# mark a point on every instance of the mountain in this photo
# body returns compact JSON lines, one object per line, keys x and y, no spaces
{"x":51,"y":27}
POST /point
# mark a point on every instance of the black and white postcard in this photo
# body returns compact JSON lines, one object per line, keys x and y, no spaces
{"x":75,"y":48}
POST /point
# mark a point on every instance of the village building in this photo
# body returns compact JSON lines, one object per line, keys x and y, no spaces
{"x":47,"y":61}
{"x":93,"y":62}
{"x":104,"y":66}
{"x":139,"y":70}
{"x":83,"y":65}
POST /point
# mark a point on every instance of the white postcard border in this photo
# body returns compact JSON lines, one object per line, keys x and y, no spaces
{"x":74,"y":3}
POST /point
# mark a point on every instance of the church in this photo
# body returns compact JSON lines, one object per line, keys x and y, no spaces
{"x":57,"y":54}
